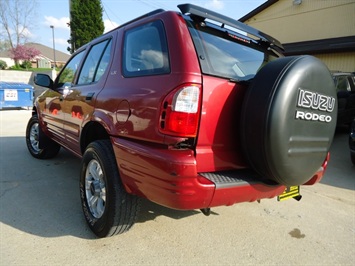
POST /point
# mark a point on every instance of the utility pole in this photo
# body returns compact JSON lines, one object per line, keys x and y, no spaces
{"x":52,"y":27}
{"x":72,"y":34}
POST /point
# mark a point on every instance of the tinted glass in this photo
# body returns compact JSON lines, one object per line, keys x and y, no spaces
{"x":342,"y":83}
{"x":227,"y":54}
{"x":69,"y":72}
{"x":94,"y":66}
{"x":103,"y":62}
{"x":145,"y":51}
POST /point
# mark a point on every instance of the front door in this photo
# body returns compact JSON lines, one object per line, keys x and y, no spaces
{"x":55,"y":108}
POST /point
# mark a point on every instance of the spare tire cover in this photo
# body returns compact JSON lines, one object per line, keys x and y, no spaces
{"x":288,"y":119}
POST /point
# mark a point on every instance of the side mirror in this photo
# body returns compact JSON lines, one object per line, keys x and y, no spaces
{"x":43,"y":80}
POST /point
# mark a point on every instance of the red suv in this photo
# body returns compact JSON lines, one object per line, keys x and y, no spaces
{"x":188,"y":109}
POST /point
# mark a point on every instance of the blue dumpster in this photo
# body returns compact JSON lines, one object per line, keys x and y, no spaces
{"x":15,"y":95}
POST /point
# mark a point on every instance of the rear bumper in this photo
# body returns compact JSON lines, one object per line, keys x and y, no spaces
{"x":166,"y":177}
{"x":319,"y":174}
{"x":170,"y":178}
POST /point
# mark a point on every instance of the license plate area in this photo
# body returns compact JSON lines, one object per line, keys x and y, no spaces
{"x":290,"y":192}
{"x":10,"y":95}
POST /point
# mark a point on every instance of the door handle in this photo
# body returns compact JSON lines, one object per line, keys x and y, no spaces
{"x":89,"y":96}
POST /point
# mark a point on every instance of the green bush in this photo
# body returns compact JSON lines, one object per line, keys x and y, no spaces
{"x":3,"y":64}
{"x":26,"y":64}
{"x":15,"y":67}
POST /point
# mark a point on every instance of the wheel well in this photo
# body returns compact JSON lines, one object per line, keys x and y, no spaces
{"x":91,"y":132}
{"x":34,"y":111}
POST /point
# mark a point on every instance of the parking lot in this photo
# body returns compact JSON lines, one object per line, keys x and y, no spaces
{"x":41,"y":222}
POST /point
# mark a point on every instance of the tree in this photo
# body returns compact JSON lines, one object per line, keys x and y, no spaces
{"x":24,"y":53}
{"x":4,"y":45}
{"x":85,"y":22}
{"x":17,"y":17}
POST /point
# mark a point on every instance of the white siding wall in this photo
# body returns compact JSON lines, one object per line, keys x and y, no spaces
{"x":311,"y":20}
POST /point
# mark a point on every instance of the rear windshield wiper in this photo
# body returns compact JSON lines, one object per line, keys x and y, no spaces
{"x":241,"y":81}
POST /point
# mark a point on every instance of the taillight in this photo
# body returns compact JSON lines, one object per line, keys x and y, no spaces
{"x":180,"y":111}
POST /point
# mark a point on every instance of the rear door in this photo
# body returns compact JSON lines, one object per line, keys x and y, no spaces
{"x":80,"y":100}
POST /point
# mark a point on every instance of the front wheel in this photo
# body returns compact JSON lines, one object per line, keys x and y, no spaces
{"x":38,"y":144}
{"x":108,"y":209}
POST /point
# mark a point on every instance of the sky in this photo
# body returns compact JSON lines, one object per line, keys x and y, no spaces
{"x":117,"y":12}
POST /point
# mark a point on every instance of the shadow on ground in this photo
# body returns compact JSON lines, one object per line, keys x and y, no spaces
{"x":41,"y":197}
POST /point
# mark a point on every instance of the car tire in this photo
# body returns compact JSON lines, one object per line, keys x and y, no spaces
{"x":285,"y":139}
{"x":38,"y":144}
{"x":108,"y":209}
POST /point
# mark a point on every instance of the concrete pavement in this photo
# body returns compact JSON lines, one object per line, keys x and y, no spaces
{"x":41,"y":222}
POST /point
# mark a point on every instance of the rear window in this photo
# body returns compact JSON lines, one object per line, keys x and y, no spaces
{"x":227,"y":54}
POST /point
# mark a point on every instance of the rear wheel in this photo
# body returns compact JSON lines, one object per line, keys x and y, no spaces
{"x":38,"y":144}
{"x":108,"y":209}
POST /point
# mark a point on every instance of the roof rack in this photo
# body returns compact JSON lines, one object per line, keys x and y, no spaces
{"x":205,"y":13}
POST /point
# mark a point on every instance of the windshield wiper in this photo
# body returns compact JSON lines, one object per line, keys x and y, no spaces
{"x":241,"y":81}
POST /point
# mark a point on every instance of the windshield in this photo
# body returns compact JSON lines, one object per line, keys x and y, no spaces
{"x":228,"y":54}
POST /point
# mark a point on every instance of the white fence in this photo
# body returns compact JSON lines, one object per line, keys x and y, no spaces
{"x":25,"y":77}
{"x":22,"y":76}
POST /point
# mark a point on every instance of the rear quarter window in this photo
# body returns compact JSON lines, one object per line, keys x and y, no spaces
{"x":145,"y":51}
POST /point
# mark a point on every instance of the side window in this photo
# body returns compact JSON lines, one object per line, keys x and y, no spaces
{"x":69,"y":72}
{"x":145,"y":51}
{"x":103,"y":62}
{"x":95,"y":63}
{"x":343,"y":84}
